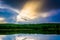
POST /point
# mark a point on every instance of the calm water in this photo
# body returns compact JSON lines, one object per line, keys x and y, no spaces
{"x":30,"y":37}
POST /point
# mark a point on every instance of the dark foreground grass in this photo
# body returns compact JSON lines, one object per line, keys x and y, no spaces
{"x":47,"y":28}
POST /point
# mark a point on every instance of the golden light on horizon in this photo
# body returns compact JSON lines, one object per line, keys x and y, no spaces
{"x":2,"y":20}
{"x":29,"y":10}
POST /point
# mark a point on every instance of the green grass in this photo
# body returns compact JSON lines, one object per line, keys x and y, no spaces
{"x":46,"y":28}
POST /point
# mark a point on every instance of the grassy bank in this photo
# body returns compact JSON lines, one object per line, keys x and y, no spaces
{"x":47,"y":28}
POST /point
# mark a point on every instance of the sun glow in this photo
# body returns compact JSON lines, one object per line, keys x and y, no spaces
{"x":29,"y":11}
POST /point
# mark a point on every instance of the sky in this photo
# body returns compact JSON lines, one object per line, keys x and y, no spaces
{"x":30,"y":37}
{"x":29,"y":11}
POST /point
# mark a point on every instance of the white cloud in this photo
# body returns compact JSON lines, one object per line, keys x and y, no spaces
{"x":28,"y":12}
{"x":44,"y":15}
{"x":2,"y":20}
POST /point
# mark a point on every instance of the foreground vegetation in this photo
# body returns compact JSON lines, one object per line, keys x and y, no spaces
{"x":47,"y":28}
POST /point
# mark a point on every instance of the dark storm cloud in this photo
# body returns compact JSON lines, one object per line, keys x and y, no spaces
{"x":48,"y":4}
{"x":15,"y":3}
{"x":51,"y":4}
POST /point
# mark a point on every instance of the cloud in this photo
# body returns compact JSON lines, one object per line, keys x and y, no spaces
{"x":30,"y":7}
{"x":2,"y":20}
{"x":29,"y":10}
{"x":44,"y":17}
{"x":8,"y":14}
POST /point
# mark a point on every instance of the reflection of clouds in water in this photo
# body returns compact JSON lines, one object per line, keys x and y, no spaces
{"x":33,"y":37}
{"x":9,"y":37}
{"x":30,"y":37}
{"x":1,"y":37}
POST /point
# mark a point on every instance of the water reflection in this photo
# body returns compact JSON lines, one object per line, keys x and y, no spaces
{"x":29,"y":37}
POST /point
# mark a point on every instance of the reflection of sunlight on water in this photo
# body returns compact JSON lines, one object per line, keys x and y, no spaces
{"x":24,"y":38}
{"x":35,"y":37}
{"x":1,"y":37}
{"x":29,"y":37}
